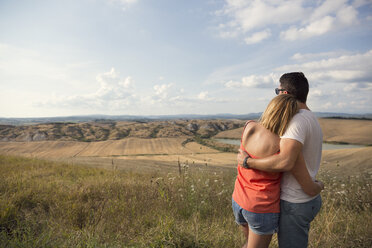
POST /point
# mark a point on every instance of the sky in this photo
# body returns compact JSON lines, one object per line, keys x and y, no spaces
{"x":168,"y":57}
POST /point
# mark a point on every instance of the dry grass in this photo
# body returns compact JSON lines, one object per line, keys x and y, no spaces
{"x":46,"y":204}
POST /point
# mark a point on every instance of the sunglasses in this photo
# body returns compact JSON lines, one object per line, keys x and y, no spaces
{"x":277,"y":90}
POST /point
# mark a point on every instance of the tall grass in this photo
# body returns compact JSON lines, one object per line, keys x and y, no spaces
{"x":46,"y":204}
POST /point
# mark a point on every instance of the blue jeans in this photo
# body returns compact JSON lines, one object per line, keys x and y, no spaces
{"x":294,"y":223}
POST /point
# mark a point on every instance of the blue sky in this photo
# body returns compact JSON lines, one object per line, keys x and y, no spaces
{"x":144,"y":57}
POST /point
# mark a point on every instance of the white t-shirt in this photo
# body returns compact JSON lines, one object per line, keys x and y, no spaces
{"x":305,"y":128}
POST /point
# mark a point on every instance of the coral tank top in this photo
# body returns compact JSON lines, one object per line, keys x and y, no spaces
{"x":257,"y":191}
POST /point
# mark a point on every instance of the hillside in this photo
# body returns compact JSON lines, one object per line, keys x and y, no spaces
{"x":111,"y":130}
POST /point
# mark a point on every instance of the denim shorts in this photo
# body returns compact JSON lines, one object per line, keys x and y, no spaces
{"x":259,"y":223}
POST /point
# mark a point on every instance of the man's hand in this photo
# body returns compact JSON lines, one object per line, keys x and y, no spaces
{"x":241,"y":156}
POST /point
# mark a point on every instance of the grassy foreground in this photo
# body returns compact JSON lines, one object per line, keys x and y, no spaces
{"x":46,"y":204}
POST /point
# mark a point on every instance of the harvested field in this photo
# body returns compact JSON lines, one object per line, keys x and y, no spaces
{"x":135,"y":152}
{"x":348,"y":161}
{"x":334,"y":130}
{"x":218,"y":159}
{"x":230,"y":134}
{"x":349,"y":131}
{"x":124,"y":147}
{"x":341,"y":162}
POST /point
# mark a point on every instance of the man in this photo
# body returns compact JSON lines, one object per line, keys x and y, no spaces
{"x":303,"y":134}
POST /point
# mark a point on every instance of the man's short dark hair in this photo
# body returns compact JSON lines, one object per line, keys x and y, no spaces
{"x":295,"y":83}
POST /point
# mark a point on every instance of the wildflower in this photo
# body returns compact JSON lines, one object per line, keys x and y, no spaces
{"x":192,"y":188}
{"x":223,"y":191}
{"x":157,"y":180}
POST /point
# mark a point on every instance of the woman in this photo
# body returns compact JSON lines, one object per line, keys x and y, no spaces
{"x":256,"y":196}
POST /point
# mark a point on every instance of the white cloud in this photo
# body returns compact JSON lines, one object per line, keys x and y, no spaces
{"x":357,"y":87}
{"x":315,"y":28}
{"x":331,"y":15}
{"x":250,"y":15}
{"x":252,"y":19}
{"x":161,"y":91}
{"x":258,"y":37}
{"x":316,"y":93}
{"x":127,"y":82}
{"x":112,"y":86}
{"x":347,"y":16}
{"x":253,"y":81}
{"x":322,"y":55}
{"x":119,"y":95}
{"x":114,"y":93}
{"x":128,"y":1}
{"x":124,"y":3}
{"x":203,"y":95}
{"x":359,"y":3}
{"x":346,"y":68}
{"x":337,"y":80}
{"x":326,"y":8}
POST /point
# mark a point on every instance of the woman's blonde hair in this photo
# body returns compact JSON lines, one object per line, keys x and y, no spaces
{"x":279,"y":113}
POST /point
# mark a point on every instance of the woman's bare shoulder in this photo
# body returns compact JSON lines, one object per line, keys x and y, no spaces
{"x":250,"y":125}
{"x":254,"y":127}
{"x":259,"y":141}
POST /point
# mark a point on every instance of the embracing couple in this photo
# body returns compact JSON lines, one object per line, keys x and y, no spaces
{"x":279,"y":157}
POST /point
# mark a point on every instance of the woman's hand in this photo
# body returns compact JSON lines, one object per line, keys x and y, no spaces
{"x":320,"y":183}
{"x":308,"y":185}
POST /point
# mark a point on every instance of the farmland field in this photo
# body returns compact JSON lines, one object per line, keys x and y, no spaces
{"x":334,"y":130}
{"x":124,"y":147}
{"x":163,"y":191}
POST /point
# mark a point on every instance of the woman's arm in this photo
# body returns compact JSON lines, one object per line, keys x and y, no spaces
{"x":302,"y":176}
